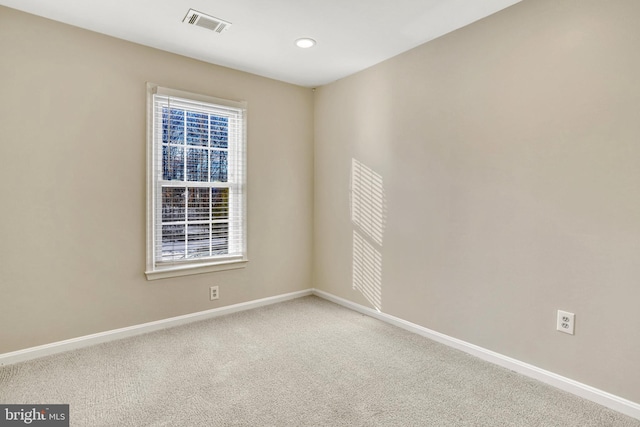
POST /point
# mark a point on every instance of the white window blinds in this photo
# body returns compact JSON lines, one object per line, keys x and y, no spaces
{"x":197,"y":182}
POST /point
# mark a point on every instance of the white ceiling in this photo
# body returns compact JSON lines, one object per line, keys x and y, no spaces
{"x":352,"y":34}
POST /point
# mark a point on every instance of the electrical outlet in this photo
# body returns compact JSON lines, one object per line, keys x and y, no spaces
{"x":566,"y":322}
{"x":213,"y":293}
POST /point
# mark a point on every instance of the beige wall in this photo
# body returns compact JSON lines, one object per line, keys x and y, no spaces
{"x":510,"y":157}
{"x":72,"y":178}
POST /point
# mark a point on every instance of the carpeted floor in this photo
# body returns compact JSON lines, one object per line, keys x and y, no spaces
{"x":305,"y":362}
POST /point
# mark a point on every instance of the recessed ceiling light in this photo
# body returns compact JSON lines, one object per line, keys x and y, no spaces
{"x":305,"y":43}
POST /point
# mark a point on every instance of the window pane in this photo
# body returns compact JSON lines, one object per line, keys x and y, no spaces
{"x":172,"y":204}
{"x":199,"y":204}
{"x":197,"y":129}
{"x":220,"y":239}
{"x":198,"y":148}
{"x":197,"y":160}
{"x":198,"y":239}
{"x":220,"y":203}
{"x":172,"y":163}
{"x":218,"y":166}
{"x":173,"y":242}
{"x":219,"y":132}
{"x":172,"y":126}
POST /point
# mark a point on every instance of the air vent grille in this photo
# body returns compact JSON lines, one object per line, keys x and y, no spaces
{"x":206,"y":21}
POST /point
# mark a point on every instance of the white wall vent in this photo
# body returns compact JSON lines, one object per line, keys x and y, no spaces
{"x":206,"y":21}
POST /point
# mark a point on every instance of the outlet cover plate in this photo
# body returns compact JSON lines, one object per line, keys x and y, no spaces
{"x":566,"y":322}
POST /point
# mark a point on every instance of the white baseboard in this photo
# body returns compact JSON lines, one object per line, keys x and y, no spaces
{"x":115,"y":334}
{"x":603,"y":398}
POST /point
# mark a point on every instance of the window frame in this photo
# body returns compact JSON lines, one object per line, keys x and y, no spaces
{"x":156,"y":269}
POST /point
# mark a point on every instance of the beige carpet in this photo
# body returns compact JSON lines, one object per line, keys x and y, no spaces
{"x":306,"y":362}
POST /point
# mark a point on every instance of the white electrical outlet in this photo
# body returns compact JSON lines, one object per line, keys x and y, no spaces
{"x":213,"y":293}
{"x":566,"y":322}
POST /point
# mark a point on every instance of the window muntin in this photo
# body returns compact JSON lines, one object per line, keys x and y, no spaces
{"x":197,"y":184}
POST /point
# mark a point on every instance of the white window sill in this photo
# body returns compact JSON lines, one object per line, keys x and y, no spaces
{"x":186,"y":270}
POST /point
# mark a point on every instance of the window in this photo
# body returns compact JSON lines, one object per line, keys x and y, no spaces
{"x":196,"y":183}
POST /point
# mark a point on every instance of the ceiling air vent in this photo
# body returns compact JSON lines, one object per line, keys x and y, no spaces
{"x":206,"y":21}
